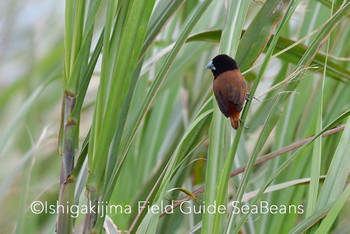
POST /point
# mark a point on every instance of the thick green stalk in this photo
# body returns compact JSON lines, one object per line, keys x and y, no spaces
{"x":69,"y":145}
{"x":77,"y":73}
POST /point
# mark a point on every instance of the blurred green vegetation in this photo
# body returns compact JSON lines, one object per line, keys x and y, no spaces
{"x":117,"y":92}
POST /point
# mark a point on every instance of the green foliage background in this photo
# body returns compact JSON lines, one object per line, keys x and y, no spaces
{"x":117,"y":93}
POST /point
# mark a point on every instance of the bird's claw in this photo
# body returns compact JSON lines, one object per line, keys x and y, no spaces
{"x":243,"y":124}
{"x":249,"y":99}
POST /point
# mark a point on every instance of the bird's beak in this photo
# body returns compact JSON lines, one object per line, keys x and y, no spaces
{"x":211,"y":66}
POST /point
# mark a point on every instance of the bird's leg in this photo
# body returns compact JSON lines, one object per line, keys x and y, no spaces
{"x":243,"y":123}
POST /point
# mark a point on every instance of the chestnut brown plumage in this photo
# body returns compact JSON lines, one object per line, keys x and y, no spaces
{"x":229,"y":87}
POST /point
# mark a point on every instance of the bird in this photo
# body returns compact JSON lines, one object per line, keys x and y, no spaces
{"x":229,"y":87}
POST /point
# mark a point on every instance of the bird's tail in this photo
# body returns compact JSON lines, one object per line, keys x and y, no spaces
{"x":235,"y":121}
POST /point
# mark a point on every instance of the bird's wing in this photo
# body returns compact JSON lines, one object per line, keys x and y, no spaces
{"x":222,"y":102}
{"x":237,"y":91}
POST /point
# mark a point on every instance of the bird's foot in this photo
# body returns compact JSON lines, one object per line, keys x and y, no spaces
{"x":249,"y":99}
{"x":243,"y":123}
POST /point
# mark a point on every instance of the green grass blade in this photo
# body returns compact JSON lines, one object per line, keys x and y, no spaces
{"x":156,"y":24}
{"x":130,"y":44}
{"x":150,"y":221}
{"x":261,"y":27}
{"x":68,"y":31}
{"x":21,"y":114}
{"x":278,"y":106}
{"x":293,"y":52}
{"x":317,"y":150}
{"x":311,"y":220}
{"x":338,"y":171}
{"x":287,"y":162}
{"x":87,"y":77}
{"x":334,"y":212}
{"x":82,"y":54}
{"x":216,"y":184}
{"x":274,"y":117}
{"x":157,"y":82}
